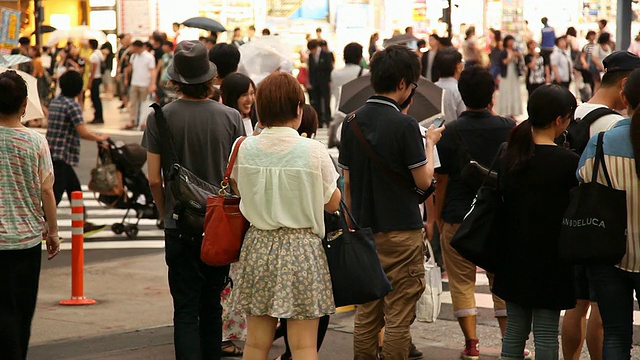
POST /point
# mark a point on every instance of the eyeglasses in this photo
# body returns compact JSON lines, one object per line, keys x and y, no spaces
{"x":414,"y":85}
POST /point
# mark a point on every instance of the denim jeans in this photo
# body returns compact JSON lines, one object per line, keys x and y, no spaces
{"x":545,"y":332}
{"x":614,"y":290}
{"x":195,"y":288}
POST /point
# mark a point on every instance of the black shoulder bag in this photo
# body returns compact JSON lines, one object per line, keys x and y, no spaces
{"x":190,"y":193}
{"x":356,"y":274}
{"x":594,"y":227}
{"x":422,"y":195}
{"x":477,"y":238}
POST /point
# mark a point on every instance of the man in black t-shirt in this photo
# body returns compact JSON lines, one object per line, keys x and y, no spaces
{"x":478,"y":132}
{"x":390,"y":208}
{"x":123,"y":63}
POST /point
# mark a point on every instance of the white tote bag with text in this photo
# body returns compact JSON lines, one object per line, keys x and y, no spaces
{"x":428,"y":307}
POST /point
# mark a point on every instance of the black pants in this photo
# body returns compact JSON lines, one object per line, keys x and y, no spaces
{"x":320,"y":97}
{"x":19,"y":278}
{"x":66,"y":180}
{"x":532,"y":87}
{"x":195,"y":288}
{"x":95,"y":99}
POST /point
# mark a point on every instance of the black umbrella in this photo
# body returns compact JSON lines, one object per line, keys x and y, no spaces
{"x":427,"y":102}
{"x":204,"y":23}
{"x":45,"y":29}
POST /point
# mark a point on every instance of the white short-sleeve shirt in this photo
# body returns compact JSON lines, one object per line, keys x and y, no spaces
{"x":96,"y":58}
{"x":141,"y":65}
{"x":284,"y":180}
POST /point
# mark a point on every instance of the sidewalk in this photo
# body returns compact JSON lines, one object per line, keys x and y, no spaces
{"x":132,"y":317}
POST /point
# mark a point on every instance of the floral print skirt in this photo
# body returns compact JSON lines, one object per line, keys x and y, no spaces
{"x":234,"y":323}
{"x":283,"y":273}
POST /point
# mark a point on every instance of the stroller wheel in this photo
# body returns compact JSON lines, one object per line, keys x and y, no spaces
{"x":117,"y":228}
{"x":131,"y":231}
{"x":160,"y":224}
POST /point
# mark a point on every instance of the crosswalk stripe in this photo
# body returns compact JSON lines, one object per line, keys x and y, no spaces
{"x":99,"y":214}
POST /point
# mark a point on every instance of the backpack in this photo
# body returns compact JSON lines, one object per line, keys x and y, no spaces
{"x":576,"y":137}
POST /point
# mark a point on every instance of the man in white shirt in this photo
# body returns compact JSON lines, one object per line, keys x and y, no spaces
{"x":352,"y":70}
{"x":618,"y":66}
{"x":561,"y":64}
{"x":449,"y":61}
{"x":95,"y":80}
{"x":142,"y":68}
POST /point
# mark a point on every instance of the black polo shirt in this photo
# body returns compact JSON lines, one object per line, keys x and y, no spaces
{"x":482,"y":133}
{"x":377,"y":201}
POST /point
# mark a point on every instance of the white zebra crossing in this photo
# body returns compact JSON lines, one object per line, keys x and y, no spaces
{"x":149,"y":236}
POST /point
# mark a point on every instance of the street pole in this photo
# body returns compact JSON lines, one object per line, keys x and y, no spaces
{"x":623,"y":25}
{"x":39,"y":17}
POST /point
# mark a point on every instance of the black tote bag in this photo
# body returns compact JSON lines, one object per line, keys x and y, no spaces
{"x":477,"y":237}
{"x":356,"y":274}
{"x":594,"y":227}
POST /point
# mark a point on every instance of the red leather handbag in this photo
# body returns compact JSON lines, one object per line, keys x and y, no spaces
{"x":224,"y":224}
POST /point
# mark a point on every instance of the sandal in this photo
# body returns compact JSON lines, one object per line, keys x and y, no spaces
{"x":229,"y":349}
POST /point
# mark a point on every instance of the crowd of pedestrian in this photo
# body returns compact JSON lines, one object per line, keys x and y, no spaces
{"x":287,"y":182}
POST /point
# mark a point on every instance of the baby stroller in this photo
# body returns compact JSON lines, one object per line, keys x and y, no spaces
{"x":129,"y":160}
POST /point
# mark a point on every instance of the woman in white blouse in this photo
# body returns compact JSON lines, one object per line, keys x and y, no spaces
{"x":286,"y":182}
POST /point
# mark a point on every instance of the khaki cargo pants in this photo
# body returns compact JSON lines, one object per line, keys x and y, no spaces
{"x":401,"y":255}
{"x":462,"y":278}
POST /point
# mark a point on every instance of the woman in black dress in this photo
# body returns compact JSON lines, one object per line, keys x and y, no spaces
{"x":536,"y":176}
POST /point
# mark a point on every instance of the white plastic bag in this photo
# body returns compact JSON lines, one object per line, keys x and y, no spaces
{"x":428,"y":307}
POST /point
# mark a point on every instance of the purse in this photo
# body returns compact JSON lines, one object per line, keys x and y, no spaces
{"x":225,"y":226}
{"x":422,"y":195}
{"x":356,"y":274}
{"x":429,"y":304}
{"x":105,"y":177}
{"x":477,"y":237}
{"x":594,"y":227}
{"x":190,"y":193}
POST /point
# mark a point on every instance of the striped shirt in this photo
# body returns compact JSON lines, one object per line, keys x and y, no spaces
{"x":618,"y":154}
{"x":25,"y":163}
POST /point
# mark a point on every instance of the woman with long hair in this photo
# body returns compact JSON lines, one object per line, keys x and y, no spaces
{"x":510,"y":101}
{"x":614,"y":286}
{"x":26,"y":187}
{"x":239,"y":92}
{"x":601,"y":50}
{"x":286,"y":182}
{"x":536,"y":177}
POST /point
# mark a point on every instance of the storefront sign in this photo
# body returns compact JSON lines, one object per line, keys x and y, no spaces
{"x":138,"y":17}
{"x":10,"y":30}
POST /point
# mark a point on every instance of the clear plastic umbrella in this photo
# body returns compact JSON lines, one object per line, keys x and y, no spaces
{"x":81,"y":33}
{"x":34,"y":108}
{"x":265,"y":55}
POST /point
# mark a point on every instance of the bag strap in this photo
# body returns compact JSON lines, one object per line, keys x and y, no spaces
{"x":165,"y":133}
{"x":596,"y":114}
{"x":360,"y":72}
{"x":232,"y":160}
{"x":599,"y":160}
{"x":494,"y":162}
{"x":372,"y":155}
{"x":344,"y":210}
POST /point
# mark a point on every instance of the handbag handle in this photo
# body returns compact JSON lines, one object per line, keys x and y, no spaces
{"x":224,"y":185}
{"x":344,"y":210}
{"x":494,"y":162}
{"x":599,"y":160}
{"x":432,"y":257}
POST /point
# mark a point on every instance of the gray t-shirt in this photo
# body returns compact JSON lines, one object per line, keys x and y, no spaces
{"x":203,"y":133}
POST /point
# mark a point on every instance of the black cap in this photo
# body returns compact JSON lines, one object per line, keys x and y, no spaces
{"x":621,"y":61}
